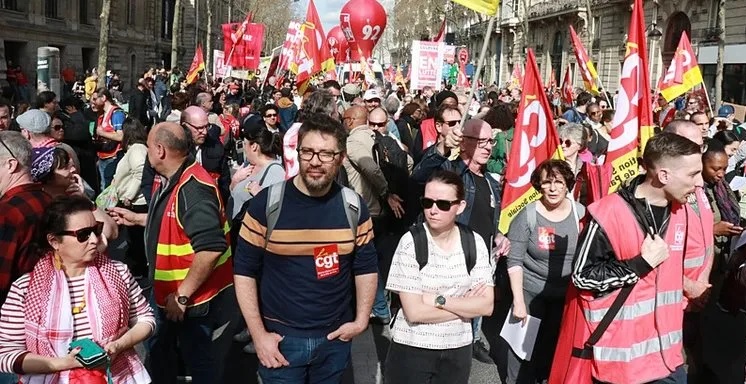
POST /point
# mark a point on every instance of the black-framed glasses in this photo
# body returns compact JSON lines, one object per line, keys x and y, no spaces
{"x":482,"y":142}
{"x":378,"y":125}
{"x":83,"y":234}
{"x":443,"y":205}
{"x":567,"y":143}
{"x":452,"y":123}
{"x":201,"y":128}
{"x":307,"y":154}
{"x":57,"y":127}
{"x":270,"y":115}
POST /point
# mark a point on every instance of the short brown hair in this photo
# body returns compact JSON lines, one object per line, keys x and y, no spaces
{"x":442,"y":110}
{"x":556,"y":168}
{"x":668,"y":145}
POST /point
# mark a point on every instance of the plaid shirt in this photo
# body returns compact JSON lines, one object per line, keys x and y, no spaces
{"x":22,"y":208}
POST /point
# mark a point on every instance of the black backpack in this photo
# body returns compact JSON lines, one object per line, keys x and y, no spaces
{"x":421,"y":252}
{"x":393,"y":163}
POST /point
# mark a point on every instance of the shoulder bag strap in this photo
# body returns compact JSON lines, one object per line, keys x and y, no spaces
{"x":274,"y":203}
{"x":587,"y":351}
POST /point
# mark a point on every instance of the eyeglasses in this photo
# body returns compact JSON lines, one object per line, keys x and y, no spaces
{"x":451,"y":123}
{"x":481,"y":141}
{"x":12,"y":155}
{"x":378,"y":125}
{"x":594,"y":113}
{"x":83,"y":234}
{"x":548,"y":184}
{"x":307,"y":154}
{"x":271,"y":115}
{"x":443,"y":205}
{"x":58,"y":127}
{"x":202,"y":128}
{"x":567,"y":143}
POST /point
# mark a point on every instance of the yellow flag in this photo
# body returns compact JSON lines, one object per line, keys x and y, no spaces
{"x":488,"y":7}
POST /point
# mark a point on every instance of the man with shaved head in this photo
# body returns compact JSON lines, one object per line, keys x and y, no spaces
{"x":207,"y":148}
{"x":474,"y":141}
{"x":190,"y":261}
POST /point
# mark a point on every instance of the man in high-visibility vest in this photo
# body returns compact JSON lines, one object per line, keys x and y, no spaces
{"x":187,"y":245}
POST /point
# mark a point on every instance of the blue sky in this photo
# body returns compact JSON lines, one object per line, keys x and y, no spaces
{"x":329,"y":10}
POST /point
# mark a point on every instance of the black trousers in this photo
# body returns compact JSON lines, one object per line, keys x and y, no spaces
{"x":407,"y":365}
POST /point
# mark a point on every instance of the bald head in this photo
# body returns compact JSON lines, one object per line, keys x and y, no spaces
{"x":172,"y":137}
{"x":194,"y":115}
{"x":378,"y":119}
{"x":355,"y":116}
{"x":204,"y":101}
{"x":474,"y":127}
{"x":685,"y":128}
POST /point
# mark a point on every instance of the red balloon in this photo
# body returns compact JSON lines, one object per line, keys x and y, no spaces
{"x":362,"y":22}
{"x":338,"y":45}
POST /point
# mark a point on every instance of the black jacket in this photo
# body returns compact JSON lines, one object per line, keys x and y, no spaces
{"x":214,"y":160}
{"x":139,"y":107}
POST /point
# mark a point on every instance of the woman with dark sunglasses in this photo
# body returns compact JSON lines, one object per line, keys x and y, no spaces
{"x":73,"y":292}
{"x":431,"y":334}
{"x":543,"y":239}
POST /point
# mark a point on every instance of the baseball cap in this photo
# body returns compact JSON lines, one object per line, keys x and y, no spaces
{"x":726,"y":110}
{"x":371,"y":94}
{"x":34,"y":121}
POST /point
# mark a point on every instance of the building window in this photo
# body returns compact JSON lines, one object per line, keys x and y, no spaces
{"x":9,"y":4}
{"x":167,"y":18}
{"x":83,"y":11}
{"x":50,"y":9}
{"x":131,"y":14}
{"x":597,"y":32}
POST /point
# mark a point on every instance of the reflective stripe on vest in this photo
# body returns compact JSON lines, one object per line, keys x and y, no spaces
{"x":653,"y":345}
{"x":694,"y":262}
{"x":639,"y":309}
{"x":180,"y":274}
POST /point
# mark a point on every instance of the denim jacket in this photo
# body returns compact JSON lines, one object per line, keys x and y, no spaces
{"x":432,"y":160}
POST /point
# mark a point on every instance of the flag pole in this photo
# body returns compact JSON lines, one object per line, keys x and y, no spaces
{"x":707,"y":96}
{"x":480,"y":64}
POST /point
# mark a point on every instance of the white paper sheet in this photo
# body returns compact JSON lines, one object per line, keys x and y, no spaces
{"x":521,"y":338}
{"x":738,"y":183}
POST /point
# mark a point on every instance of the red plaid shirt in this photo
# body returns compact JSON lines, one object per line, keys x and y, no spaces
{"x":22,"y":208}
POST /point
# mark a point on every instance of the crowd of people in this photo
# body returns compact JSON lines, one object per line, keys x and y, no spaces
{"x":188,"y":217}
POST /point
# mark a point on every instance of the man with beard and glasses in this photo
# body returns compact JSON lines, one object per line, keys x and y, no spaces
{"x":294,"y":268}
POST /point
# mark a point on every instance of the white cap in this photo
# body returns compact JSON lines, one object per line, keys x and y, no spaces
{"x":371,"y":94}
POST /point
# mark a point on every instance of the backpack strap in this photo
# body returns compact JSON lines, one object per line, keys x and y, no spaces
{"x":266,"y":170}
{"x":469,"y":246}
{"x":351,"y":202}
{"x":274,"y":203}
{"x":420,"y":244}
{"x":531,"y":215}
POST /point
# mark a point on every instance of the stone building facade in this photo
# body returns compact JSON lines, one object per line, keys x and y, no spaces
{"x":140,"y":33}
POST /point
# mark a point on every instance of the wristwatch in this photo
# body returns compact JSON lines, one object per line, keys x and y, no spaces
{"x":182,"y":300}
{"x":440,"y":301}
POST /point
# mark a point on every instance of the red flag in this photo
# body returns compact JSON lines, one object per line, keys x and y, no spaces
{"x":253,"y":40}
{"x":587,"y":70}
{"x":289,"y":47}
{"x":683,"y":74}
{"x":313,"y":55}
{"x":633,"y":121}
{"x":238,"y":35}
{"x":198,"y":65}
{"x":516,"y":78}
{"x":535,"y":140}
{"x":567,"y":87}
{"x":441,"y":36}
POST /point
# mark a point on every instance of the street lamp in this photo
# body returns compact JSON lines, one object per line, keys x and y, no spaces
{"x":654,"y":33}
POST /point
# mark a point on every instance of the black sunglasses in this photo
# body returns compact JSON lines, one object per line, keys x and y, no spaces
{"x":567,"y":143}
{"x":271,"y":115}
{"x":83,"y":234}
{"x":452,"y":123}
{"x":379,"y":125}
{"x":443,"y":205}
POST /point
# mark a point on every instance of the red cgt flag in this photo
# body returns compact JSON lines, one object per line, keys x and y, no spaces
{"x":198,"y":65}
{"x":535,"y":140}
{"x":245,"y":52}
{"x":683,"y":74}
{"x":313,"y":55}
{"x":633,"y":121}
{"x":567,"y":86}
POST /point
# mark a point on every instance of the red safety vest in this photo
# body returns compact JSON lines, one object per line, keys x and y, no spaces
{"x":644,"y":341}
{"x":428,"y":132}
{"x":104,"y":121}
{"x":175,"y":253}
{"x":700,"y":241}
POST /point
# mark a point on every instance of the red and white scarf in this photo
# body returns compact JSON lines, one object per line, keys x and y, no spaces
{"x":49,"y":317}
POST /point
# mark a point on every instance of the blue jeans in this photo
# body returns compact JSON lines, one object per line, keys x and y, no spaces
{"x":312,"y":361}
{"x":381,"y":305}
{"x":476,"y":325}
{"x":107,"y":168}
{"x":204,"y":339}
{"x":8,"y":378}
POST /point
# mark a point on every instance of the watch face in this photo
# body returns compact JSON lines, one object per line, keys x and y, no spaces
{"x":182,"y":300}
{"x":440,"y":300}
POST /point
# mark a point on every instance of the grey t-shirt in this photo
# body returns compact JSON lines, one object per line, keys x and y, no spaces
{"x":546,"y":252}
{"x":275,"y":173}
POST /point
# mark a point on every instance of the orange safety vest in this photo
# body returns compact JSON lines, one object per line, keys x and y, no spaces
{"x":104,"y":121}
{"x":174,"y":253}
{"x":700,"y":238}
{"x":644,"y":341}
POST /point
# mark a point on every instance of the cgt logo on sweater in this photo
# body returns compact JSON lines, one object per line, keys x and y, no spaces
{"x":327,"y":261}
{"x":546,"y":238}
